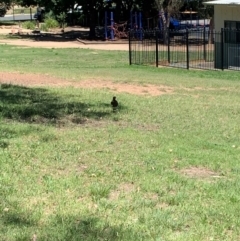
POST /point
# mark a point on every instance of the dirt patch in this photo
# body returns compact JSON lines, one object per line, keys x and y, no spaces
{"x":151,"y":196}
{"x":148,"y":89}
{"x":39,"y":43}
{"x":38,"y":80}
{"x":125,"y":188}
{"x":199,"y":172}
{"x":161,"y":205}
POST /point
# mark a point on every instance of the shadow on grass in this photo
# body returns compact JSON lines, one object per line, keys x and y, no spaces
{"x":6,"y":133}
{"x":67,"y":227}
{"x":89,"y":228}
{"x":71,"y":35}
{"x":39,"y":105}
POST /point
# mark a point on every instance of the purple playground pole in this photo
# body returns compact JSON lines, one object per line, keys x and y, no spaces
{"x":136,"y":21}
{"x":112,"y":26}
{"x":131,"y":20}
{"x":105,"y":26}
{"x":140,"y":20}
{"x":159,"y":20}
{"x":140,"y":25}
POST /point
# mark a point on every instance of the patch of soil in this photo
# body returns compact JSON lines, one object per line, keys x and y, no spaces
{"x":199,"y":172}
{"x":38,"y":80}
{"x":162,"y":205}
{"x":148,"y":89}
{"x":151,"y":196}
{"x":125,"y":188}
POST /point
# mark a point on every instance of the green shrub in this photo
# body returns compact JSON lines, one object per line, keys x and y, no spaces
{"x":43,"y":27}
{"x":50,"y":14}
{"x":29,"y":25}
{"x":62,"y":19}
{"x":51,"y":23}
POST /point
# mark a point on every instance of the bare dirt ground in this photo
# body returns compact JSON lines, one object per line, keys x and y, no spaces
{"x":66,"y":44}
{"x":40,"y":42}
{"x":46,"y":80}
{"x":37,"y":80}
{"x":200,"y":172}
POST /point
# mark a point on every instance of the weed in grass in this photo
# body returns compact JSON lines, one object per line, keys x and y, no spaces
{"x":3,"y":144}
{"x":98,"y":191}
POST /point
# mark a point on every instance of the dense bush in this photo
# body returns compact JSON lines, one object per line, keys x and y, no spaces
{"x":50,"y":14}
{"x":62,"y":19}
{"x":29,"y":25}
{"x":51,"y":23}
{"x":3,"y":9}
{"x":43,"y":27}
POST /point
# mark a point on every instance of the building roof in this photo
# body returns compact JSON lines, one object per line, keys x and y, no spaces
{"x":223,"y":2}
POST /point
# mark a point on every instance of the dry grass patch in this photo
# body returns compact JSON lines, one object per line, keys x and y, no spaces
{"x":161,"y":205}
{"x":199,"y":172}
{"x":38,"y":80}
{"x":124,"y":188}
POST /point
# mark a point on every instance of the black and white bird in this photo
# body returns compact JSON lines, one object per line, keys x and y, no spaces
{"x":114,"y":103}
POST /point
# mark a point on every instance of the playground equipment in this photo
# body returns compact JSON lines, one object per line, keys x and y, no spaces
{"x":106,"y":28}
{"x":136,"y":24}
{"x":135,"y":20}
{"x":120,"y":30}
{"x":114,"y":30}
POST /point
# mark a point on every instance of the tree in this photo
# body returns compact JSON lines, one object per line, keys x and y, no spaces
{"x":90,"y":8}
{"x":167,"y":9}
{"x":170,"y":8}
{"x":5,"y":4}
{"x":3,"y":9}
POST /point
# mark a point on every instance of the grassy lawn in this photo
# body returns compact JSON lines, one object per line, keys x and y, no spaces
{"x":162,"y":168}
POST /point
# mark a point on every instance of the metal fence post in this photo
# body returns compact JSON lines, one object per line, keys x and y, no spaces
{"x":204,"y":44}
{"x":168,"y":42}
{"x":156,"y":32}
{"x":31,"y":14}
{"x":130,"y":49}
{"x":222,"y":49}
{"x":187,"y":48}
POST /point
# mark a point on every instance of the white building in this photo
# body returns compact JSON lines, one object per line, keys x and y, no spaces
{"x":226,"y":14}
{"x":227,"y":44}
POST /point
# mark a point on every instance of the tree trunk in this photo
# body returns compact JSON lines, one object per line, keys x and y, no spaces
{"x":166,"y":31}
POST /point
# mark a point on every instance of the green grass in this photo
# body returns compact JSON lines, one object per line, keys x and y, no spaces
{"x":71,"y":169}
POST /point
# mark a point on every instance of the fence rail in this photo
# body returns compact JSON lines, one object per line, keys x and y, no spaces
{"x":194,"y":48}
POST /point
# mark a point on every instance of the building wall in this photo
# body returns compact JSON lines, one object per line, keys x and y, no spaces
{"x":225,"y":12}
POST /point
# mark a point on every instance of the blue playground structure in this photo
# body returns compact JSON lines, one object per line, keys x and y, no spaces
{"x":136,"y":24}
{"x":109,"y":33}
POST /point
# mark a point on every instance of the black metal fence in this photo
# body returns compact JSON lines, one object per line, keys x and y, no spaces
{"x":195,"y":48}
